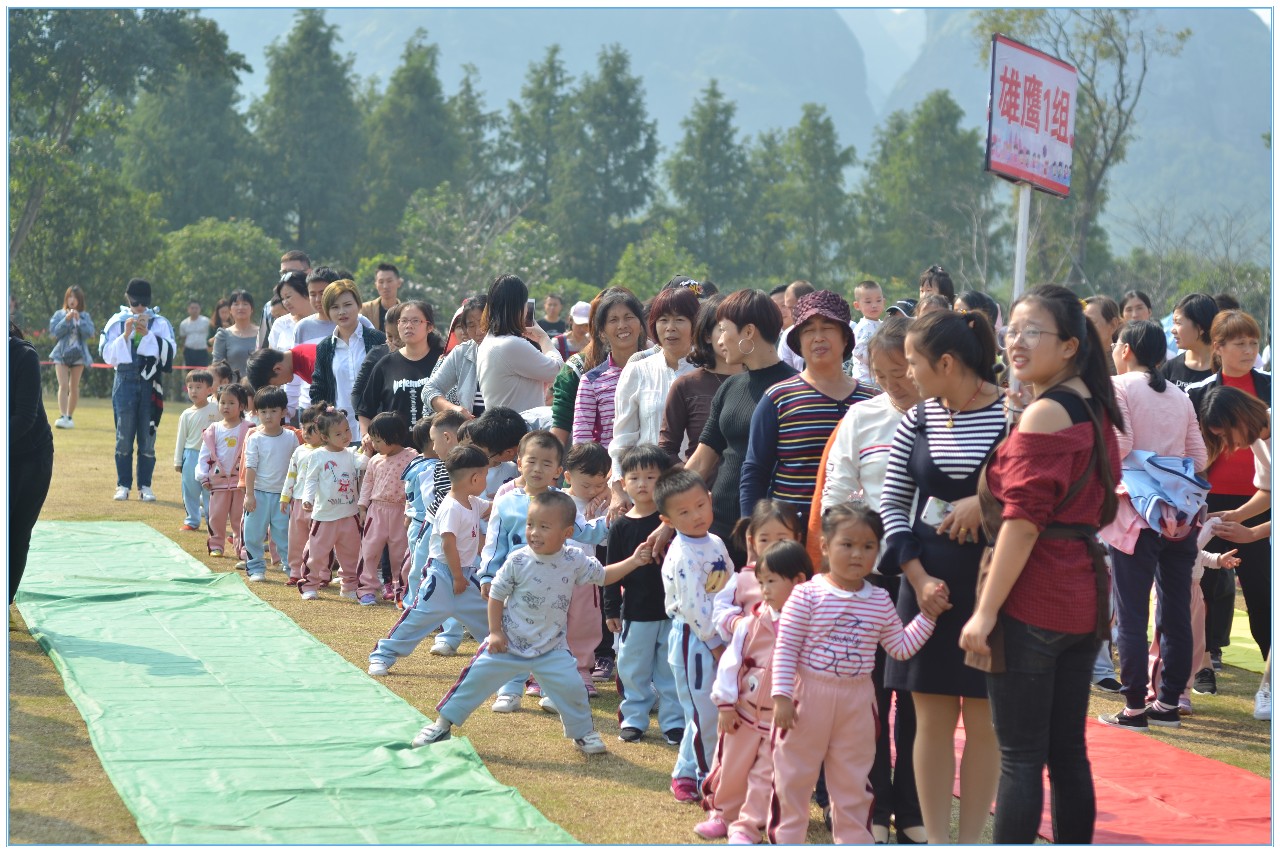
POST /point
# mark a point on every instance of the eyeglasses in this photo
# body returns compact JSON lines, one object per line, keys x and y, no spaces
{"x":1030,"y":336}
{"x":410,"y":322}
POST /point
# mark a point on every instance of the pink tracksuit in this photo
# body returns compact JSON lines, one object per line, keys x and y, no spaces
{"x":822,"y":660}
{"x":219,"y":466}
{"x":584,"y":626}
{"x":382,"y":497}
{"x":332,"y":481}
{"x":740,"y":785}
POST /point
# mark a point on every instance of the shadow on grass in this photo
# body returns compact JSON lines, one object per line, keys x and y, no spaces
{"x":43,"y":749}
{"x":27,"y":673}
{"x":28,"y":828}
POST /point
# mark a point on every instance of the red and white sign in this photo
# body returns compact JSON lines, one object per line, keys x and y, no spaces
{"x":1031,"y":122}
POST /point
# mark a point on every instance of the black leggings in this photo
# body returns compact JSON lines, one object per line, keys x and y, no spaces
{"x":1254,"y":573}
{"x":29,"y":478}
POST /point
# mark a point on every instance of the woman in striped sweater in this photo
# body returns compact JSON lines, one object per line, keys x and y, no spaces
{"x":617,"y":331}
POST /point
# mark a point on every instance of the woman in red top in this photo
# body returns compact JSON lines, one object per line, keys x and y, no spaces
{"x":1044,"y":594}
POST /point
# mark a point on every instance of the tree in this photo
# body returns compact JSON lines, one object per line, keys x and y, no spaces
{"x":310,"y":131}
{"x":412,"y":143}
{"x":72,"y":72}
{"x":535,"y":125}
{"x":1112,"y":50}
{"x":208,"y":259}
{"x":707,"y":175}
{"x":924,"y":198}
{"x":478,"y":170}
{"x":647,"y":265}
{"x":604,"y":172}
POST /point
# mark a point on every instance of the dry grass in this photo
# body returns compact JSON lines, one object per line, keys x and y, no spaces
{"x":60,"y":794}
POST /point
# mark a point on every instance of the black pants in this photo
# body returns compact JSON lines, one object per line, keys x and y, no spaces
{"x":195,"y":357}
{"x":29,"y":477}
{"x":1254,"y":573}
{"x":605,"y":647}
{"x":894,"y":784}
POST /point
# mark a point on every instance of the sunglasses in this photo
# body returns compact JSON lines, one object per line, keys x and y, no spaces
{"x":136,"y":304}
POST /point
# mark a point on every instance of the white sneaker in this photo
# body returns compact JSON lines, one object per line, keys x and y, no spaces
{"x":378,"y":668}
{"x":443,"y":649}
{"x":122,"y":493}
{"x":1262,"y":703}
{"x":242,"y":565}
{"x":433,"y":733}
{"x":353,"y":595}
{"x":61,"y":422}
{"x":146,"y":494}
{"x":256,"y":578}
{"x":547,"y":705}
{"x":310,"y":595}
{"x":70,"y":423}
{"x":592,"y":744}
{"x":506,"y":703}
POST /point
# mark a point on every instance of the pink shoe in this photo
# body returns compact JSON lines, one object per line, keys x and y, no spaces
{"x":740,"y":838}
{"x":711,"y":828}
{"x":685,"y":790}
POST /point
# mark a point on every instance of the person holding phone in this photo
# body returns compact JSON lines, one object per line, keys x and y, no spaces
{"x":516,"y":360}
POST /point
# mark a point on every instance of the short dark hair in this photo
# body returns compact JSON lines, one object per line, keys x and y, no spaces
{"x":241,"y":296}
{"x":644,"y":456}
{"x":1135,"y":294}
{"x":542,"y":438}
{"x":326,"y":274}
{"x":677,"y":301}
{"x":330,"y":418}
{"x":200,"y":376}
{"x":778,"y":291}
{"x":464,"y":457}
{"x":390,"y":427}
{"x":261,"y":365}
{"x":675,"y":482}
{"x":449,"y":419}
{"x":787,"y":559}
{"x":270,"y":397}
{"x":1201,"y":310}
{"x":420,"y":435}
{"x":941,"y":280}
{"x":295,"y":279}
{"x":589,"y":458}
{"x":385,"y":267}
{"x":1226,"y":302}
{"x":752,"y":308}
{"x":855,"y":511}
{"x":222,"y":369}
{"x":553,"y":499}
{"x":139,"y":289}
{"x":498,"y":430}
{"x":238,"y":391}
{"x":296,"y":255}
{"x":800,"y":287}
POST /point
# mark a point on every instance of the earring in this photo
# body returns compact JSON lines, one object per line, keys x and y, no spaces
{"x":746,"y":352}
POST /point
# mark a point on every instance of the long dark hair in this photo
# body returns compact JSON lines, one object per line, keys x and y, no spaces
{"x":504,"y":313}
{"x":1146,"y":342}
{"x":704,"y":331}
{"x":1224,"y":409}
{"x":968,"y":337}
{"x":1091,"y":356}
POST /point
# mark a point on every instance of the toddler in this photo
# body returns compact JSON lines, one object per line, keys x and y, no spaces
{"x":417,"y":478}
{"x":300,"y":517}
{"x":695,"y":568}
{"x":869,"y":300}
{"x":382,"y":499}
{"x":186,"y":449}
{"x":635,"y":608}
{"x":770,"y":522}
{"x":528,"y":614}
{"x":449,"y":587}
{"x":218,"y":469}
{"x":586,"y":471}
{"x":740,"y":786}
{"x":824,"y":707}
{"x":268,"y":450}
{"x":329,"y":493}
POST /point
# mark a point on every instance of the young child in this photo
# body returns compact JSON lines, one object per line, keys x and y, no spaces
{"x":267,"y":453}
{"x":223,"y":374}
{"x":218,"y":469}
{"x":186,"y":449}
{"x":299,"y":516}
{"x":449,"y":588}
{"x":330,"y":493}
{"x":528,"y":615}
{"x":382,"y":499}
{"x":635,"y":608}
{"x":822,"y":664}
{"x":869,"y":300}
{"x":433,"y":486}
{"x":771,"y":521}
{"x":586,"y":472}
{"x":695,"y":568}
{"x":540,"y":456}
{"x":417,"y":476}
{"x":739,"y":788}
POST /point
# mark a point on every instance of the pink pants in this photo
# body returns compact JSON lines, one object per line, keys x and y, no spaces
{"x":740,"y":784}
{"x":1197,"y":644}
{"x":384,"y":526}
{"x":584,"y":628}
{"x":299,"y":531}
{"x":343,"y":537}
{"x":835,"y":723}
{"x":225,"y":505}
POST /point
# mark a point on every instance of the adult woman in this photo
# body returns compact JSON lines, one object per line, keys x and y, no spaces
{"x":934,"y":461}
{"x":1192,"y":320}
{"x":292,"y":290}
{"x":339,"y":356}
{"x":689,"y":400}
{"x":1104,"y":313}
{"x":791,"y":422}
{"x":395,"y":384}
{"x":617,"y":331}
{"x":30,"y":452}
{"x":1135,"y":305}
{"x":221,"y":317}
{"x":1235,"y":337}
{"x":937,"y":280}
{"x":1054,"y":478}
{"x":642,"y":388}
{"x":748,"y":324}
{"x":73,"y":327}
{"x":235,"y":342}
{"x":452,"y":385}
{"x":514,"y":362}
{"x":855,"y":467}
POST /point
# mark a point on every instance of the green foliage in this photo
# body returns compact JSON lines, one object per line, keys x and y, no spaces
{"x":310,"y":131}
{"x":536,"y":125}
{"x":208,"y":259}
{"x":572,"y":290}
{"x":479,"y":168}
{"x":649,"y":264}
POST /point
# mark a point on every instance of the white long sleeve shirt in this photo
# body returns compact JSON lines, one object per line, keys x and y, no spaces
{"x":191,"y":426}
{"x":639,"y":401}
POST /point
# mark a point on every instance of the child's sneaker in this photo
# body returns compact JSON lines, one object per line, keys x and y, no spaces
{"x":310,"y":595}
{"x":673,"y":736}
{"x":1136,"y":722}
{"x":630,"y":734}
{"x":546,"y":704}
{"x":603,"y":670}
{"x":740,"y":838}
{"x":711,"y":828}
{"x":378,"y":668}
{"x":592,"y":692}
{"x":215,"y":552}
{"x":1206,"y":683}
{"x":1262,"y":703}
{"x":1169,"y":719}
{"x":506,"y":703}
{"x":1184,"y":705}
{"x":591,"y":744}
{"x":351,"y":595}
{"x":187,"y":528}
{"x":532,"y":688}
{"x":256,"y":578}
{"x":443,"y":649}
{"x":685,"y":790}
{"x":433,"y":733}
{"x":368,"y":600}
{"x":242,"y":565}
{"x":291,"y":582}
{"x":388,"y":592}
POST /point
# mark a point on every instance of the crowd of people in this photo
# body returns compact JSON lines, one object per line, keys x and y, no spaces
{"x":804,"y":545}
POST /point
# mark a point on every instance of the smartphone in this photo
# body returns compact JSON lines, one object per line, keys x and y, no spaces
{"x":528,"y":313}
{"x":935,"y":510}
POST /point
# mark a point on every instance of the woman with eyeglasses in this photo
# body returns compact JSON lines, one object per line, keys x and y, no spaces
{"x":396,"y":381}
{"x":453,"y":385}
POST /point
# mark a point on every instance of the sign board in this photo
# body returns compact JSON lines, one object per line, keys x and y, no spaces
{"x":1031,"y":120}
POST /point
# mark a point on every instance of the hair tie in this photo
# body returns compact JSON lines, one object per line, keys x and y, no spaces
{"x":331,"y":410}
{"x":1083,"y":304}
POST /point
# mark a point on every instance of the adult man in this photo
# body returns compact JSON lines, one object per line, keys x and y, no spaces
{"x":294,"y":259}
{"x":790,"y":297}
{"x":194,"y":331}
{"x":139,"y":343}
{"x":387,"y":282}
{"x":779,"y":297}
{"x":551,"y":308}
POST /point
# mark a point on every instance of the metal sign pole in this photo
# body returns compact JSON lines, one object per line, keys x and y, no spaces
{"x":1024,"y":226}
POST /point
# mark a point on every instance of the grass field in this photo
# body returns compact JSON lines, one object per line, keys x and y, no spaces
{"x":59,"y":793}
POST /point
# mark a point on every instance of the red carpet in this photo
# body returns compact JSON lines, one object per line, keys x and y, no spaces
{"x":1149,"y":792}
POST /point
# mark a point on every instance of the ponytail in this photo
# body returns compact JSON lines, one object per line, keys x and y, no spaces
{"x":1145,"y":340}
{"x":968,"y":337}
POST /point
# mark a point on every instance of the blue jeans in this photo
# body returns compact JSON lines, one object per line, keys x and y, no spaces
{"x":194,"y":499}
{"x":694,"y":669}
{"x":131,"y":404}
{"x":1038,"y":706}
{"x":266,"y":518}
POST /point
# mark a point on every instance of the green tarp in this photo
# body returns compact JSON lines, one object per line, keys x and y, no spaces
{"x":220,"y":721}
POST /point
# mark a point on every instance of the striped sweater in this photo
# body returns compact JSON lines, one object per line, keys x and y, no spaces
{"x":825,"y":629}
{"x":789,"y":431}
{"x":593,"y":408}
